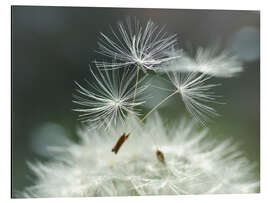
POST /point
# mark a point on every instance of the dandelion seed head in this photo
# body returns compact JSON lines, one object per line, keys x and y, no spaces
{"x":132,"y":43}
{"x":195,"y":164}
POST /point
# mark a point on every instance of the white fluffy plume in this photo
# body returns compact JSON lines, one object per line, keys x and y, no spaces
{"x":210,"y":61}
{"x":195,"y":94}
{"x":194,"y":164}
{"x":144,"y":46}
{"x":109,"y":97}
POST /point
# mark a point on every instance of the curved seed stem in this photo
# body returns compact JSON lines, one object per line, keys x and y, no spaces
{"x":165,"y":99}
{"x":152,"y":110}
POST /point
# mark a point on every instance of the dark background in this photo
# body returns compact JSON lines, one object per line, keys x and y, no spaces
{"x":52,"y":47}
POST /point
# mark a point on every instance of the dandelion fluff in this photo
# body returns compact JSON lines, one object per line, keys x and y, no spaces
{"x":109,"y":97}
{"x":195,"y":164}
{"x":144,"y":46}
{"x":208,"y":61}
{"x":195,"y":94}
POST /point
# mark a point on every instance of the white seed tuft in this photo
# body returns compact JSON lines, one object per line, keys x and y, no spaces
{"x":145,"y":46}
{"x":208,"y":61}
{"x":195,"y":94}
{"x":109,"y":97}
{"x":195,"y":164}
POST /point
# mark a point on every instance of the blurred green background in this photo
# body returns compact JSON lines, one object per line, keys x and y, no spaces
{"x":53,"y":46}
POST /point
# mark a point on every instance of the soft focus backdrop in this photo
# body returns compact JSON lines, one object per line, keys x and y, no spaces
{"x":53,"y":46}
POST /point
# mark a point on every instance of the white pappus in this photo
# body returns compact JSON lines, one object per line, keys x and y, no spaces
{"x":195,"y":164}
{"x":196,"y":94}
{"x":109,"y":97}
{"x":209,"y":61}
{"x":144,"y":46}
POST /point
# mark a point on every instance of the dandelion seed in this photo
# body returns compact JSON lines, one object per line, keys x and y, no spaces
{"x":119,"y":142}
{"x":160,"y":156}
{"x":108,"y":98}
{"x":195,"y":164}
{"x":209,"y":61}
{"x":134,"y":44}
{"x":195,"y":94}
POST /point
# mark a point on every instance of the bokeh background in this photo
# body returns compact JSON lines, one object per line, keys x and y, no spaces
{"x":53,"y":46}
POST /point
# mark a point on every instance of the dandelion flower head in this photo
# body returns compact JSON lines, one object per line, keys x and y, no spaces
{"x":195,"y":164}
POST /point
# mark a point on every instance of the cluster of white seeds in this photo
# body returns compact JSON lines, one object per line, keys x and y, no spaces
{"x":193,"y":164}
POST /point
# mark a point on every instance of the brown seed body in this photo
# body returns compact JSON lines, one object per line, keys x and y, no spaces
{"x":160,"y":156}
{"x":119,"y":142}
